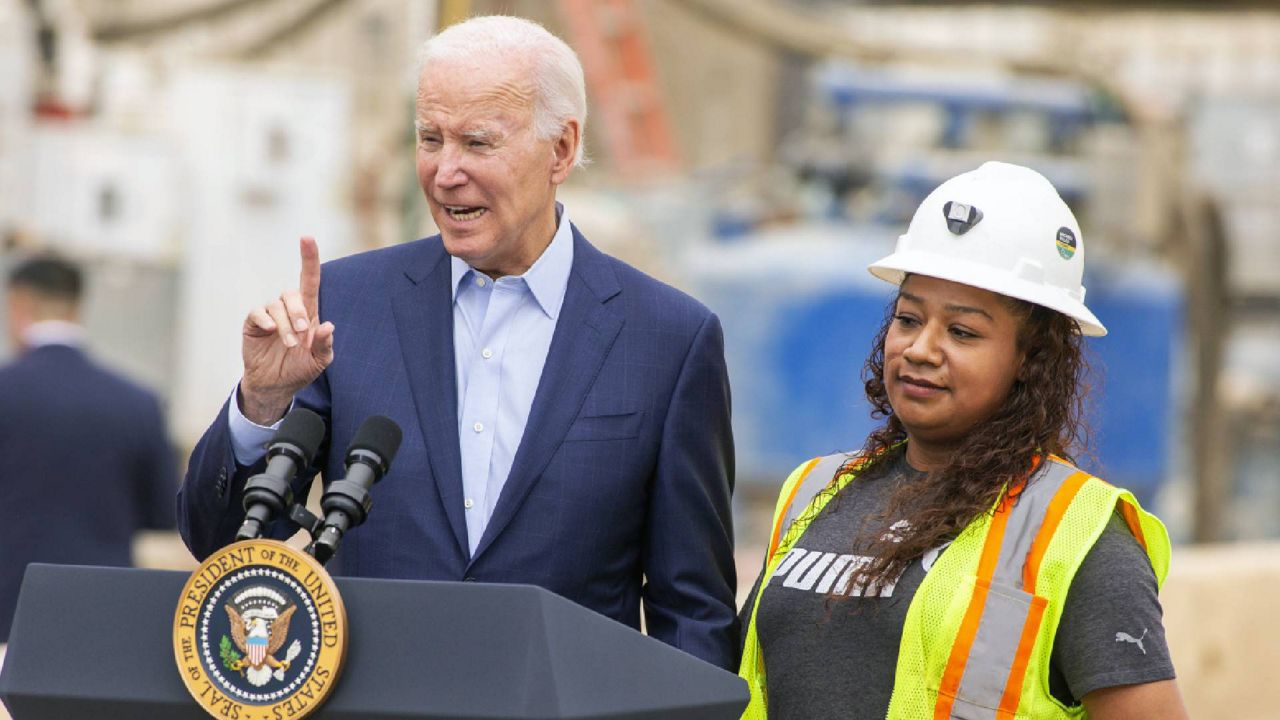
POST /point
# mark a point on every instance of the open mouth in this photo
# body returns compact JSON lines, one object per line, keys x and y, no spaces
{"x":464,"y":213}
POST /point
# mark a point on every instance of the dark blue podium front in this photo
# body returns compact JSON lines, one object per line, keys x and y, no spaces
{"x":96,"y":643}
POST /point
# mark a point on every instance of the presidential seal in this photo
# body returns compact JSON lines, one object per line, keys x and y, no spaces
{"x":260,"y":633}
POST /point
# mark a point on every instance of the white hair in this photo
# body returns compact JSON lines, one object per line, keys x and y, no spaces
{"x":560,"y":92}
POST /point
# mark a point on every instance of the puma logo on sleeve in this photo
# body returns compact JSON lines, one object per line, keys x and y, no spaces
{"x":1126,"y":637}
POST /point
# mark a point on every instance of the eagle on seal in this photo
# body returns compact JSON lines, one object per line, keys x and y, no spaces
{"x":260,"y":633}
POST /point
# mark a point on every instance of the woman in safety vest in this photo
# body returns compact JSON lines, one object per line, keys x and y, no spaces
{"x":960,"y":565}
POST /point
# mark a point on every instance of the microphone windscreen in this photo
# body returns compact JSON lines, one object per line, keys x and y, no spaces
{"x":378,"y":435}
{"x":301,"y":428}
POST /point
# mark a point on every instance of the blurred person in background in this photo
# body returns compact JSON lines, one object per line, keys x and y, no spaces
{"x":86,"y":457}
{"x":960,"y":565}
{"x":566,"y":418}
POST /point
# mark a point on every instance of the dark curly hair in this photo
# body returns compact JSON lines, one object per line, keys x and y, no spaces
{"x":1043,"y":413}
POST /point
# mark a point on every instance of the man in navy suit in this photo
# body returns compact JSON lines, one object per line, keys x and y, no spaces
{"x":566,"y":418}
{"x":86,"y":458}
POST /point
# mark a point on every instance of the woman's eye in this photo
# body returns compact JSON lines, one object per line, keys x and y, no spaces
{"x":907,"y":320}
{"x":962,"y":333}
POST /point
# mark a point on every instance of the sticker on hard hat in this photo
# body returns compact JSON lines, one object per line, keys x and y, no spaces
{"x":1066,"y":243}
{"x":960,"y":217}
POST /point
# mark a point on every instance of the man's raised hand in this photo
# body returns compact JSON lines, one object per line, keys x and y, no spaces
{"x":284,"y":345}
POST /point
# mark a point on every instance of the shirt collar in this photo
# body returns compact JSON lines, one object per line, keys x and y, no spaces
{"x":53,"y":332}
{"x":547,"y":279}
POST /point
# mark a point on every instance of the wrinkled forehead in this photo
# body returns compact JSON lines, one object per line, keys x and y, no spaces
{"x":476,"y":88}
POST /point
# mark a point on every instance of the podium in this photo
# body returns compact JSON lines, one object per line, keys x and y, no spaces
{"x":96,"y":643}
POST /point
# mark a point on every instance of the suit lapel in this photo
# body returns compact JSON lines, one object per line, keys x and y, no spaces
{"x":424,"y":321}
{"x":585,"y":331}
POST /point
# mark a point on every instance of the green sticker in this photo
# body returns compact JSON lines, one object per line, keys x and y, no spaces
{"x":1066,"y":243}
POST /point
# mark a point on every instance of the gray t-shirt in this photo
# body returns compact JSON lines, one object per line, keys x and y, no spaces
{"x":836,"y":658}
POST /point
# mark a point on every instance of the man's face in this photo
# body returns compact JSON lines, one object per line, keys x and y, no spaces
{"x":489,"y":180}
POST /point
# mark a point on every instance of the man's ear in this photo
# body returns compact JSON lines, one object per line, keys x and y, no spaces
{"x":19,"y":305}
{"x":565,"y":150}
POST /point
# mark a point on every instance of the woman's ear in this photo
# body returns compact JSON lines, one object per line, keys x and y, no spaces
{"x":1023,"y":357}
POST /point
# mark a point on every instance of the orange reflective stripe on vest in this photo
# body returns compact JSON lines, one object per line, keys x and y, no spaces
{"x":1053,"y":517}
{"x":786,"y":507}
{"x":993,"y":646}
{"x":954,"y":674}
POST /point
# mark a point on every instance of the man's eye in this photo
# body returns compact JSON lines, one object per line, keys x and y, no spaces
{"x":478,"y":144}
{"x":429,"y":140}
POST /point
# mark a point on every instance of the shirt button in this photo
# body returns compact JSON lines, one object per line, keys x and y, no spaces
{"x":486,"y":353}
{"x":481,"y":281}
{"x":468,"y":503}
{"x":478,"y":427}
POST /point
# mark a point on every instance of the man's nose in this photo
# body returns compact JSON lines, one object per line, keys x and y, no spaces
{"x":449,"y":168}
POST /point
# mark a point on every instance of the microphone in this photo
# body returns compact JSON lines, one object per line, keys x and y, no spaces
{"x":270,"y":492}
{"x":346,"y":503}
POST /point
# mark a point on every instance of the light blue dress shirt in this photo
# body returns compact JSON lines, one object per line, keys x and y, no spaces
{"x":502,"y":331}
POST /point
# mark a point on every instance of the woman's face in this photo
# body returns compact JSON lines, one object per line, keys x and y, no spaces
{"x":950,"y":357}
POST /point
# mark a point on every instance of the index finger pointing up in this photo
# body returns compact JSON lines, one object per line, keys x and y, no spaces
{"x":309,"y":280}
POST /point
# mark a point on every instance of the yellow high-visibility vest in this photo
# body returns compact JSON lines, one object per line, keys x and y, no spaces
{"x":979,"y":631}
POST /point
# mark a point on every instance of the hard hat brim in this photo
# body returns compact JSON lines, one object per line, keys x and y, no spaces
{"x":895,"y":267}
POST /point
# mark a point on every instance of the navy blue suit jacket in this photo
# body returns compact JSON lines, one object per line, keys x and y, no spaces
{"x":620,"y":490}
{"x":84,"y":463}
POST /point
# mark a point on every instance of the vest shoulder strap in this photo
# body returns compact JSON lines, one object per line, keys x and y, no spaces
{"x":819,"y":477}
{"x":796,"y":496}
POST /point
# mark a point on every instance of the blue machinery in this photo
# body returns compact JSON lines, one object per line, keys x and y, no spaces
{"x":800,"y":310}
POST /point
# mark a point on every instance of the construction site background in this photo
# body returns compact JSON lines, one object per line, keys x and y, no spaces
{"x":756,"y":153}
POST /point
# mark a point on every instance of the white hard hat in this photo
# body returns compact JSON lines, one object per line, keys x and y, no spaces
{"x":1001,"y":228}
